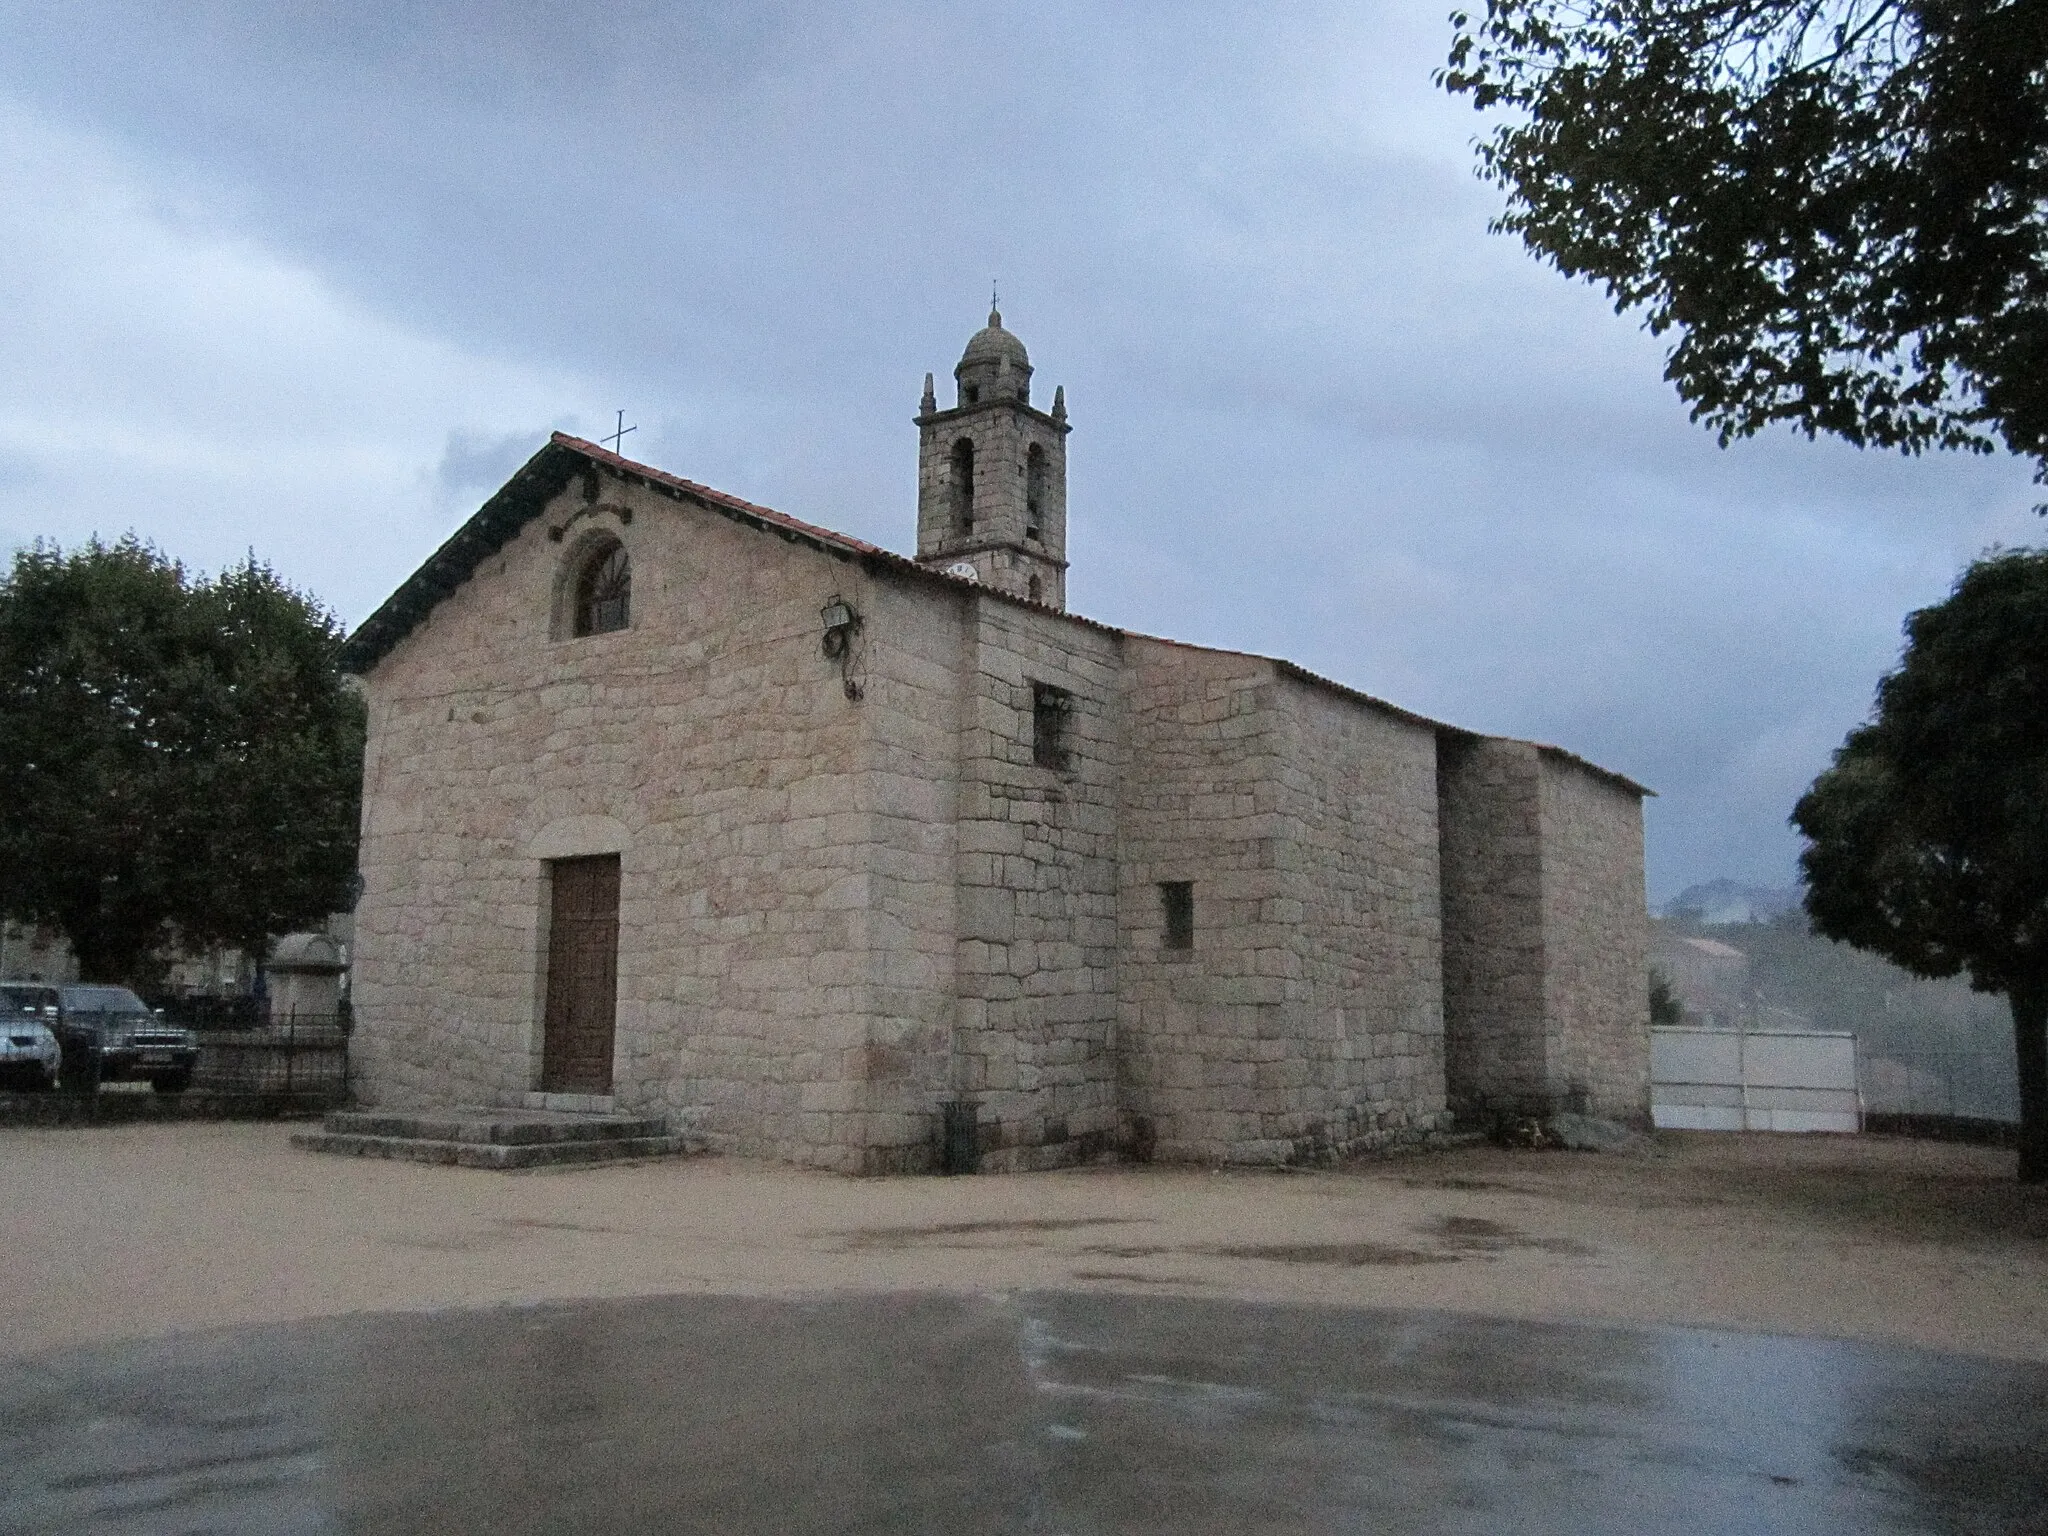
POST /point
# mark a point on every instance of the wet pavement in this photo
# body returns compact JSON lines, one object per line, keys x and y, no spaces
{"x":1034,"y":1412}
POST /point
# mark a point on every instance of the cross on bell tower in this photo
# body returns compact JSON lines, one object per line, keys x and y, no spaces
{"x":992,"y":473}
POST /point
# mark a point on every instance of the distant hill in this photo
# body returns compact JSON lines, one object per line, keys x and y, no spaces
{"x":1927,"y":1047}
{"x":1724,"y":901}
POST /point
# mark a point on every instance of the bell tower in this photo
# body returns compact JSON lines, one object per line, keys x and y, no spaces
{"x":992,"y":474}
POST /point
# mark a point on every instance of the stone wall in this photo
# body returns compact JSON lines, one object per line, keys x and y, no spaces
{"x":906,"y":661}
{"x":1200,"y":804}
{"x":1596,"y":940}
{"x":1490,"y":834}
{"x":1006,"y":546}
{"x":834,"y":914}
{"x":1037,"y":888}
{"x":1361,"y":1061}
{"x":1304,"y":1019}
{"x":1545,"y":934}
{"x":711,"y":746}
{"x":852,"y":892}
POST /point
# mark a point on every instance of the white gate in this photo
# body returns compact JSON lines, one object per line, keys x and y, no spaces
{"x":1735,"y":1080}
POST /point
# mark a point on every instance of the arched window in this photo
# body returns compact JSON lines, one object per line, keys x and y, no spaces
{"x":604,"y":591}
{"x":1034,"y":490}
{"x":963,"y":485}
{"x":1037,"y":590}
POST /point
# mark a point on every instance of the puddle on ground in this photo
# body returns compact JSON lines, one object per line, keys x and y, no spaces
{"x":1452,"y":1238}
{"x":937,"y":1234}
{"x":1476,"y":1234}
{"x":503,"y":1230}
{"x":1472,"y":1226}
{"x":1348,"y":1255}
{"x":1455,"y":1238}
{"x":1080,"y":1409}
{"x":470,"y":1243}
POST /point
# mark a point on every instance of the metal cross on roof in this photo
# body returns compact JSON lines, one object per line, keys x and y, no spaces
{"x":619,"y":436}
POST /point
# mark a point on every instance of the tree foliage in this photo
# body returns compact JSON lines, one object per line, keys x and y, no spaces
{"x":1927,"y":838}
{"x":1665,"y":1007}
{"x":179,"y":758}
{"x":1839,"y":206}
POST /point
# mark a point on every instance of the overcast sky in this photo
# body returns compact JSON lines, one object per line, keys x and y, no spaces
{"x":312,"y":280}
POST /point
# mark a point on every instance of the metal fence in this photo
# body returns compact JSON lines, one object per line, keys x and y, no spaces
{"x":1753,"y":1080}
{"x":206,"y":1013}
{"x":1942,"y":1076}
{"x":294,"y":1067}
{"x":303,"y":1058}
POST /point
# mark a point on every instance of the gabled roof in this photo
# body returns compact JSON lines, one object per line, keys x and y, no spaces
{"x":518,"y":502}
{"x":1301,"y":674}
{"x":544,"y":476}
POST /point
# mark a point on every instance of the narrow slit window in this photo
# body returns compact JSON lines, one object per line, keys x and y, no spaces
{"x":1177,"y":913}
{"x":1034,"y":491}
{"x":1050,"y":710}
{"x":963,"y":486}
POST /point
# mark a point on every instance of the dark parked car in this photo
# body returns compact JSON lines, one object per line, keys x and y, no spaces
{"x":108,"y":1034}
{"x":29,"y":1053}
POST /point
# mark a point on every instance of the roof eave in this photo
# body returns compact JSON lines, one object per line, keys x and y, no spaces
{"x":537,"y":482}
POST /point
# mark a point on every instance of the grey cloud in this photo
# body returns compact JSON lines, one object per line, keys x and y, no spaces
{"x":18,"y":470}
{"x":1319,"y":411}
{"x":475,"y":464}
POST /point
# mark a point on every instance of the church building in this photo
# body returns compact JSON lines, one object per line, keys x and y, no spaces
{"x":673,"y":803}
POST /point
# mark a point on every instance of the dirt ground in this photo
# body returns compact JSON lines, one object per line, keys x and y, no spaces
{"x":137,"y":1231}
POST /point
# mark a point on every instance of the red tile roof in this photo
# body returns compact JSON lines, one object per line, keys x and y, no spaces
{"x":542,"y":477}
{"x":705,"y":493}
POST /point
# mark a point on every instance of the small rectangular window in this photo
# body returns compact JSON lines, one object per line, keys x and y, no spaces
{"x":1050,"y":709}
{"x":1177,"y":910}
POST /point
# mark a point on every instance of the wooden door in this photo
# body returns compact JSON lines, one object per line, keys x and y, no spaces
{"x":583,"y":976}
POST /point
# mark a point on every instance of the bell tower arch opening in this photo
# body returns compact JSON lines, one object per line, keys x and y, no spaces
{"x":961,"y":475}
{"x":1034,"y":491}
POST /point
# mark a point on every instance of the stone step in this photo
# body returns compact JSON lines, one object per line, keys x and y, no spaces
{"x":482,"y":1154}
{"x":496,"y":1127}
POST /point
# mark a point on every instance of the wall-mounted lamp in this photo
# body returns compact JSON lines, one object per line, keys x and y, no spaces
{"x":842,"y":623}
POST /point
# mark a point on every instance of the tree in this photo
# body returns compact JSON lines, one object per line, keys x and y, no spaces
{"x":1665,"y":1008}
{"x":179,"y":759}
{"x":1840,"y":206}
{"x":1927,"y":839}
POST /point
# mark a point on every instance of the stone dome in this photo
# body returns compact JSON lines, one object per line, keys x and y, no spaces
{"x":993,"y":344}
{"x":995,"y":365}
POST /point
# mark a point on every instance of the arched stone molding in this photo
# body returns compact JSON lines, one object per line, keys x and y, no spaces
{"x":593,"y":542}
